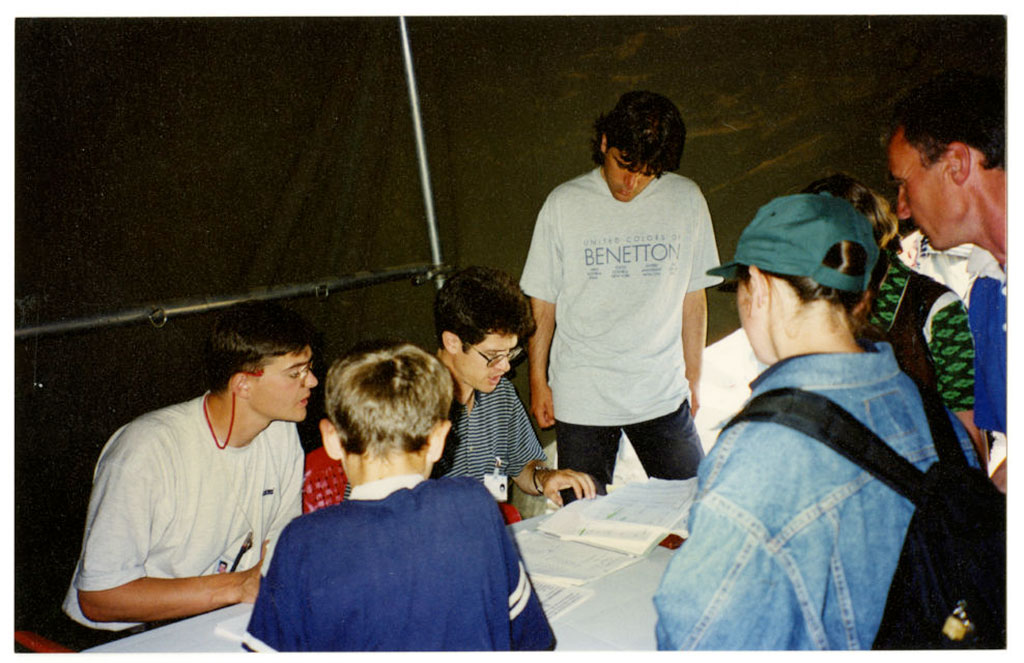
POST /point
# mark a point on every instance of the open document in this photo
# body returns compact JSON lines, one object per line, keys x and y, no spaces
{"x":633,"y":519}
{"x":564,"y":562}
{"x":559,"y":599}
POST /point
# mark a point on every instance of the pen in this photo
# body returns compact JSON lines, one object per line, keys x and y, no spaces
{"x":241,"y":551}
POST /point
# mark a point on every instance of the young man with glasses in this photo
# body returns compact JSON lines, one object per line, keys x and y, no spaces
{"x":185,"y":498}
{"x":481,"y":317}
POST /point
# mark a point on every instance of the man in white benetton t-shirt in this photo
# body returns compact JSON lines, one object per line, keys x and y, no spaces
{"x":616,"y":275}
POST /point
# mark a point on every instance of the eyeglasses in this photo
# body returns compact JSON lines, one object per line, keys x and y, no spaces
{"x":491,"y":361}
{"x":300,"y":373}
{"x":297,"y":373}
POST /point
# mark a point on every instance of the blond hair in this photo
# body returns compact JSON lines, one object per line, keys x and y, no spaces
{"x":385,"y":399}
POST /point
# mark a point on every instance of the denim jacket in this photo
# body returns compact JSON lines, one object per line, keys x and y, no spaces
{"x":791,"y":545}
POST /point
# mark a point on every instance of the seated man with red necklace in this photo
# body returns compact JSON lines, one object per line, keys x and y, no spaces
{"x":185,"y":499}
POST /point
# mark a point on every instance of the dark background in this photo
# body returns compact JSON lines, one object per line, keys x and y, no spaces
{"x":160,"y":159}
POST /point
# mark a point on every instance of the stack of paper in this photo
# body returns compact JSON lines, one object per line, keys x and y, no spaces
{"x":632,"y":519}
{"x":564,"y":562}
{"x":558,"y":599}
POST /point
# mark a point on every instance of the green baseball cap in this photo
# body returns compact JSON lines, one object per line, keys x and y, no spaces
{"x":791,"y":235}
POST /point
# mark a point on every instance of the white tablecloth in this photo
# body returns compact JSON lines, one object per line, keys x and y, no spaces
{"x":619,"y":615}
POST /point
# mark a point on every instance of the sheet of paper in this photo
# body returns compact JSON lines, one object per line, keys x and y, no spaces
{"x":556,"y":560}
{"x":632,"y":514}
{"x":559,"y":599}
{"x":657,"y":502}
{"x":567,"y":521}
{"x":626,"y":537}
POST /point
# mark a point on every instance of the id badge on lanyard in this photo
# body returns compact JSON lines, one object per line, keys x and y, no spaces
{"x":496,"y":482}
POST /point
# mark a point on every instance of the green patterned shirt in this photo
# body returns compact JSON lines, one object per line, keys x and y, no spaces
{"x":950,"y":343}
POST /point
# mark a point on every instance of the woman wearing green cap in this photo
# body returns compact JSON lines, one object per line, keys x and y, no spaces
{"x":925,"y":321}
{"x":792,"y":546}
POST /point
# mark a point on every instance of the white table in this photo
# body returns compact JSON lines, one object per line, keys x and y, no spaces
{"x":620,"y":616}
{"x":195,"y":634}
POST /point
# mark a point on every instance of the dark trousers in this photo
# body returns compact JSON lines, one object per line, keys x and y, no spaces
{"x":668,"y":447}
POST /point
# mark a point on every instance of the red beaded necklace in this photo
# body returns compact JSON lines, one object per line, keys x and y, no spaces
{"x":206,"y":414}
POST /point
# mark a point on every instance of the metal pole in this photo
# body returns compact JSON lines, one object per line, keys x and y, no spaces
{"x":158,"y":314}
{"x":421,"y":152}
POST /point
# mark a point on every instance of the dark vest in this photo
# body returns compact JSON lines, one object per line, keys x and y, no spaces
{"x":906,"y":334}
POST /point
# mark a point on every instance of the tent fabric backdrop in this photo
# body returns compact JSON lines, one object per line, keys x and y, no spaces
{"x":166,"y":158}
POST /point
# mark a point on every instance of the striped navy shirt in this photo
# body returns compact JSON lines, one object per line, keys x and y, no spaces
{"x":497,"y":427}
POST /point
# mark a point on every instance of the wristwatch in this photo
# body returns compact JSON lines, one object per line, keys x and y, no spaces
{"x":536,"y":470}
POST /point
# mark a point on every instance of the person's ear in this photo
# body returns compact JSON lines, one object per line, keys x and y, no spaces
{"x":757,"y":284}
{"x":451,"y":342}
{"x":604,"y":143}
{"x":862,"y":309}
{"x":957,"y":159}
{"x":331,"y":440}
{"x":239,"y":385}
{"x":436,"y":439}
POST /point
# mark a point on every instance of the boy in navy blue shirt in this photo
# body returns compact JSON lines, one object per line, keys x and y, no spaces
{"x":406,"y":563}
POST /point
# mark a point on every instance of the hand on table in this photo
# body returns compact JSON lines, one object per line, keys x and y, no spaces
{"x":553,"y":481}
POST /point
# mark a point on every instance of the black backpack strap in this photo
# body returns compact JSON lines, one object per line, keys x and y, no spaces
{"x":947,"y":444}
{"x":821,"y":418}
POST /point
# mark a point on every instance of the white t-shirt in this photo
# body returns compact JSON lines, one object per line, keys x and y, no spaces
{"x":167,"y":503}
{"x":617,"y":274}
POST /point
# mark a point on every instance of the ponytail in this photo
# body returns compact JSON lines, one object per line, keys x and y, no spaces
{"x":845,"y":257}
